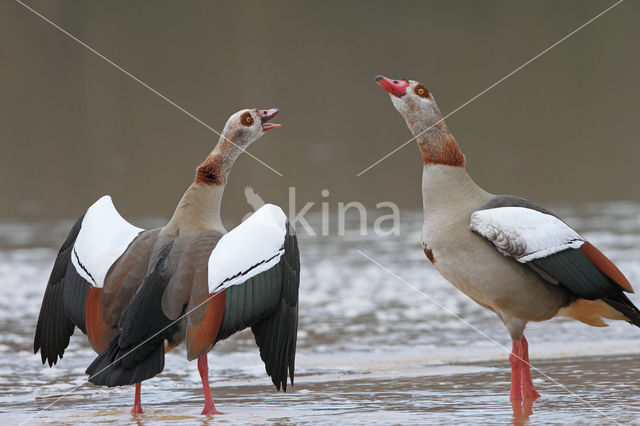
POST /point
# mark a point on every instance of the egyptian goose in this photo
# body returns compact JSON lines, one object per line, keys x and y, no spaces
{"x":139,"y":293}
{"x":508,"y":254}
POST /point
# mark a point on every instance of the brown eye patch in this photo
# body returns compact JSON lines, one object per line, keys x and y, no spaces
{"x":246,"y":119}
{"x":421,"y":91}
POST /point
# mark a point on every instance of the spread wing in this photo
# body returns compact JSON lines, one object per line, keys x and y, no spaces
{"x":252,"y":281}
{"x":246,"y":278}
{"x":95,"y":242}
{"x":533,"y":236}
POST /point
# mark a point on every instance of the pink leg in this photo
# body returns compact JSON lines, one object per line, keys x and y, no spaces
{"x":137,"y":403}
{"x":516,"y":370}
{"x":203,"y":368}
{"x":528,"y":390}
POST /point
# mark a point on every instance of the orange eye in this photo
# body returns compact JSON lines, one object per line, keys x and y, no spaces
{"x":246,"y":119}
{"x":421,"y":91}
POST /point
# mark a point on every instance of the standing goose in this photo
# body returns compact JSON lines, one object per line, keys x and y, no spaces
{"x":508,"y":254}
{"x":138,"y":294}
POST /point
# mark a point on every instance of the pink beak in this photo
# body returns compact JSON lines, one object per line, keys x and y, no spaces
{"x":397,"y":88}
{"x":266,"y":115}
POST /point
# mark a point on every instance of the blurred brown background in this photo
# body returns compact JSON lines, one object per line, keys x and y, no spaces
{"x":72,"y":127}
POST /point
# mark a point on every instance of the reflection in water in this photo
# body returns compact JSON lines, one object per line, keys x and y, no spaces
{"x":522,"y":410}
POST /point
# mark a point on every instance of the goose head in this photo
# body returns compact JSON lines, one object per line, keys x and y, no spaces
{"x":417,"y":106}
{"x":242,"y":128}
{"x":248,"y":125}
{"x":413,"y":101}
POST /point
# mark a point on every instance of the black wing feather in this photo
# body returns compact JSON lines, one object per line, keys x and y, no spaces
{"x":276,"y":335}
{"x":62,"y":309}
{"x":622,"y":303}
{"x":251,"y":302}
{"x":513,"y":201}
{"x":136,"y":353}
{"x":75,"y":297}
{"x":108,"y":370}
{"x":268,"y":303}
{"x":575,"y":271}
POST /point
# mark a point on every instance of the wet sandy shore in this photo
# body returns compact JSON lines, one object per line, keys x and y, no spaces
{"x":594,"y":390}
{"x":370,"y":349}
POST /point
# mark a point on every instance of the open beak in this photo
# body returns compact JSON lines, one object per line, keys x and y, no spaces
{"x":266,"y":115}
{"x":397,"y":88}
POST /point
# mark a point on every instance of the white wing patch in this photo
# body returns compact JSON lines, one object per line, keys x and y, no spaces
{"x":102,"y":239}
{"x":254,"y":246}
{"x":524,"y":234}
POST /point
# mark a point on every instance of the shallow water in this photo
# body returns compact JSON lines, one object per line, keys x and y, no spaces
{"x":370,"y":348}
